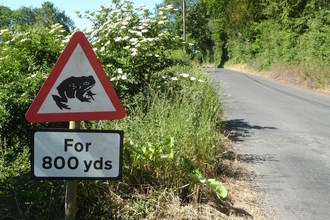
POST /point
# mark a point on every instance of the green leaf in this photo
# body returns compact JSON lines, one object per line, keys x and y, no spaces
{"x":219,"y":189}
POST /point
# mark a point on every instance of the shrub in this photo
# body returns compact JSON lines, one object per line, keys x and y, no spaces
{"x":131,"y":44}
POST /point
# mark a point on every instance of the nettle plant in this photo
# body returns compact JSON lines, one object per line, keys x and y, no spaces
{"x":131,"y":43}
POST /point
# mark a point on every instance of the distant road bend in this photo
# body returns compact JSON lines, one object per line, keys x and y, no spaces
{"x":284,"y":132}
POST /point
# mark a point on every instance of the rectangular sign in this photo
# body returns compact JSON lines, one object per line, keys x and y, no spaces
{"x":76,"y":154}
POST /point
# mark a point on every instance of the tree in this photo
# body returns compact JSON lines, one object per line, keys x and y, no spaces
{"x":199,"y":36}
{"x":46,"y":16}
{"x":199,"y":30}
{"x":5,"y":16}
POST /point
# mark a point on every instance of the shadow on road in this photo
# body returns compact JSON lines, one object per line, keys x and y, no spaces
{"x":254,"y":158}
{"x":238,"y":129}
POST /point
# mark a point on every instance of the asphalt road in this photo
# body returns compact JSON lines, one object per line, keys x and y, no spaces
{"x":284,"y":132}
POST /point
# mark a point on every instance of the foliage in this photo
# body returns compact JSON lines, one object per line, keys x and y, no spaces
{"x":25,"y":60}
{"x":45,"y":16}
{"x":217,"y":187}
{"x":22,"y":199}
{"x":272,"y":33}
{"x":179,"y":136}
{"x":177,"y":107}
{"x":132,"y":44}
{"x":175,"y":129}
{"x":5,"y":16}
{"x":199,"y":43}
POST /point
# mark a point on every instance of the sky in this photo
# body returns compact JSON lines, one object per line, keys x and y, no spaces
{"x":69,"y":6}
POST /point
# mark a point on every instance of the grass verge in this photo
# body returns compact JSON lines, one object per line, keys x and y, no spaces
{"x":308,"y":76}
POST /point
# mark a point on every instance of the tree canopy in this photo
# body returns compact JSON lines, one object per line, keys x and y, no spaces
{"x":45,"y":16}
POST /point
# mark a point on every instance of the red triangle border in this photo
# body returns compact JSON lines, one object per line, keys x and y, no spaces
{"x":32,"y":114}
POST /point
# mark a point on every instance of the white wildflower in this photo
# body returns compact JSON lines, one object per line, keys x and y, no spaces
{"x":116,"y":11}
{"x":185,"y":75}
{"x":156,"y":55}
{"x":24,"y":39}
{"x":125,"y":38}
{"x":113,"y":79}
{"x":65,"y":40}
{"x":133,"y":40}
{"x":145,"y":20}
{"x":190,"y":44}
{"x":32,"y":76}
{"x":3,"y":31}
{"x":200,"y":80}
{"x":134,"y":51}
{"x":120,"y":70}
{"x":106,"y":6}
{"x":123,"y":77}
{"x":118,"y":39}
{"x":144,"y":30}
{"x":174,"y":78}
{"x":192,"y":78}
{"x":160,"y":12}
{"x":161,"y":22}
{"x":169,"y":7}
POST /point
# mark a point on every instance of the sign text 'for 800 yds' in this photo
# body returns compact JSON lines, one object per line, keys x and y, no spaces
{"x":73,"y":162}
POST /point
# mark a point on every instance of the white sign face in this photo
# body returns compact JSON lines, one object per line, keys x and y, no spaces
{"x":77,"y":89}
{"x":76,"y":154}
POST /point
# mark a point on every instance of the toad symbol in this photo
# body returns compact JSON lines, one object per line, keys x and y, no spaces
{"x":74,"y":87}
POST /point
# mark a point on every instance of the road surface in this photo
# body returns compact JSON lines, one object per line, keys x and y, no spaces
{"x":284,"y":132}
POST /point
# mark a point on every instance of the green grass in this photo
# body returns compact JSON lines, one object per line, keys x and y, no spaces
{"x":172,"y":137}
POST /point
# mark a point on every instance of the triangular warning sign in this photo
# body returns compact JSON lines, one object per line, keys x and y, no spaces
{"x":77,"y":88}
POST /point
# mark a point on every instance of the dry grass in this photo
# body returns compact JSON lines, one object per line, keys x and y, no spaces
{"x":307,"y":77}
{"x":246,"y":198}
